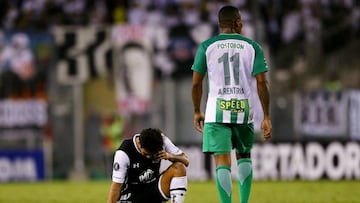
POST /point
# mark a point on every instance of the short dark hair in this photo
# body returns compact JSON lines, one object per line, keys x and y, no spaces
{"x":151,"y":139}
{"x":228,"y":15}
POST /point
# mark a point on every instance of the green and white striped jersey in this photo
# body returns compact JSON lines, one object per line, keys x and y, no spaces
{"x":231,"y":62}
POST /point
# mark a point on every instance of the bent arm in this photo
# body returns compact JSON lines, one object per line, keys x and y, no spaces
{"x":172,"y":152}
{"x":173,"y":157}
{"x":114,"y":192}
{"x":180,"y":158}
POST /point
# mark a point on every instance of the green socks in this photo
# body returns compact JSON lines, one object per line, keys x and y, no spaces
{"x":244,"y":178}
{"x":224,"y":183}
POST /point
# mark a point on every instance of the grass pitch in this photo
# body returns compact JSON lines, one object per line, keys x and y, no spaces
{"x":198,"y":192}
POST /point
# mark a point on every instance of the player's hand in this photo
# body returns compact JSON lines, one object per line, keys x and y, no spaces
{"x":199,"y":118}
{"x":163,"y":155}
{"x":266,"y":129}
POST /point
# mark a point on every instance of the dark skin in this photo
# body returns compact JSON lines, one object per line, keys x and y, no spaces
{"x":232,"y":27}
{"x":177,"y":169}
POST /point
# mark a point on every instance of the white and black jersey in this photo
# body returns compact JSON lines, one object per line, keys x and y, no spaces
{"x":139,"y":174}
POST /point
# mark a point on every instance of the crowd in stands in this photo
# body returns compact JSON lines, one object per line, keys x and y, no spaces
{"x":283,"y":21}
{"x":309,"y":28}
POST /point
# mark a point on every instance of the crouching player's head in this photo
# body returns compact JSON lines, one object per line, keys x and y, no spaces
{"x":151,"y":142}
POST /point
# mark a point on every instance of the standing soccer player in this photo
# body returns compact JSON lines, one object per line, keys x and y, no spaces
{"x":136,"y":177}
{"x":232,"y":62}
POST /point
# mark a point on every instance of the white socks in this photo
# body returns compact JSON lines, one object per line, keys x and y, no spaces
{"x":178,"y":186}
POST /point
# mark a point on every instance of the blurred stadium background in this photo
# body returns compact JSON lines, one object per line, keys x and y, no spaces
{"x":78,"y":76}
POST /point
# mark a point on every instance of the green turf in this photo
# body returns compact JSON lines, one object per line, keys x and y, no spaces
{"x":198,"y":192}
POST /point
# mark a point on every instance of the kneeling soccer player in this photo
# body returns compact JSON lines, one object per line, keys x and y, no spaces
{"x":136,"y":177}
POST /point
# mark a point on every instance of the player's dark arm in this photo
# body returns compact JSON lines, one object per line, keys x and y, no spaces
{"x":196,"y":98}
{"x":180,"y":158}
{"x":174,"y":158}
{"x":197,"y":90}
{"x":264,"y":95}
{"x":114,"y":192}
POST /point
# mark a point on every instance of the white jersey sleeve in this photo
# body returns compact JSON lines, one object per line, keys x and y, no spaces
{"x":120,"y":166}
{"x":170,"y":146}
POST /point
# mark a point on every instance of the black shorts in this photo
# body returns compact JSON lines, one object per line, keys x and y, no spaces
{"x":142,"y":193}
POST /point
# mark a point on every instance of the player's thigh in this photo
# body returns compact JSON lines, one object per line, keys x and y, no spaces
{"x":217,"y":138}
{"x":243,"y":137}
